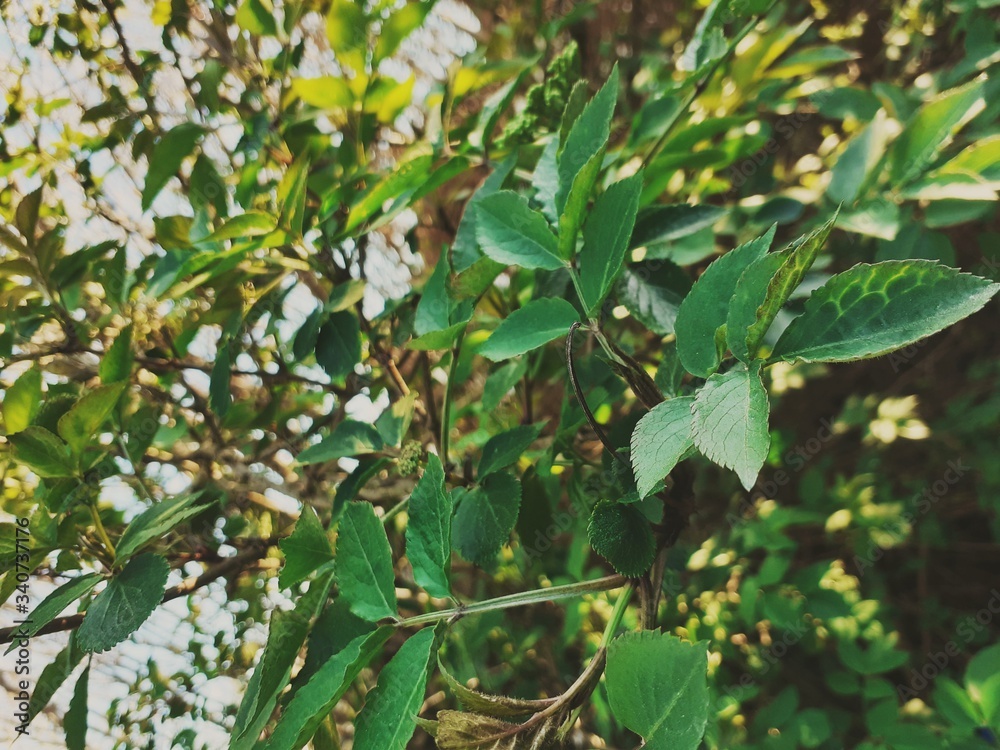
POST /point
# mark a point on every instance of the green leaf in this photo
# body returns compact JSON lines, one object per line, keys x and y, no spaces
{"x":506,"y":448}
{"x":434,"y":308}
{"x":257,"y":17}
{"x":705,"y":309}
{"x":730,"y":421}
{"x":428,"y":531}
{"x":220,"y":396}
{"x":306,"y":550}
{"x":534,"y":325}
{"x":797,"y":259}
{"x":54,"y":604}
{"x":345,"y":296}
{"x":349,"y":438}
{"x":658,"y":688}
{"x":393,"y":423}
{"x":660,"y":440}
{"x":155,"y":522}
{"x":42,"y":452}
{"x":510,"y":232}
{"x":500,"y":382}
{"x":285,"y":636}
{"x":665,"y":223}
{"x":316,"y":699}
{"x":389,"y":717}
{"x":871,"y":310}
{"x":932,"y":127}
{"x":80,"y":425}
{"x":364,"y":564}
{"x":75,"y":720}
{"x":575,"y":207}
{"x":863,"y":153}
{"x":652,"y":291}
{"x":400,"y":25}
{"x":586,"y":139}
{"x":347,"y":32}
{"x":166,"y":159}
{"x":465,"y":251}
{"x":485,"y":517}
{"x":621,"y":535}
{"x":748,"y":298}
{"x":21,"y":401}
{"x":438,"y":339}
{"x":246,"y":225}
{"x":338,"y":345}
{"x":125,"y":604}
{"x":606,"y":238}
{"x":116,"y":364}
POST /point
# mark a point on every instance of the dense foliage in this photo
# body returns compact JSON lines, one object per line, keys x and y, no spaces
{"x":489,"y":376}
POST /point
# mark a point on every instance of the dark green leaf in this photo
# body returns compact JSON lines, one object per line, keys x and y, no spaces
{"x":665,"y":223}
{"x":485,"y":517}
{"x":125,"y":604}
{"x":155,"y":522}
{"x":506,"y":448}
{"x":338,"y":345}
{"x":168,"y":155}
{"x":530,"y":327}
{"x":306,"y":550}
{"x":428,"y":531}
{"x":652,"y":291}
{"x":871,"y":310}
{"x":54,"y":604}
{"x":621,"y":535}
{"x":388,"y":719}
{"x":75,"y":720}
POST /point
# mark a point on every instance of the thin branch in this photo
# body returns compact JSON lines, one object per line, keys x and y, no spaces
{"x":231,"y":565}
{"x":583,"y":401}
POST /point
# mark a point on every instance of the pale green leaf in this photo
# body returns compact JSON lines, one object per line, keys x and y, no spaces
{"x":730,"y":421}
{"x":932,"y":127}
{"x":660,"y":440}
{"x":249,"y":224}
{"x":658,"y":688}
{"x":116,"y":364}
{"x":80,"y":425}
{"x":21,"y":401}
{"x":42,"y":452}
